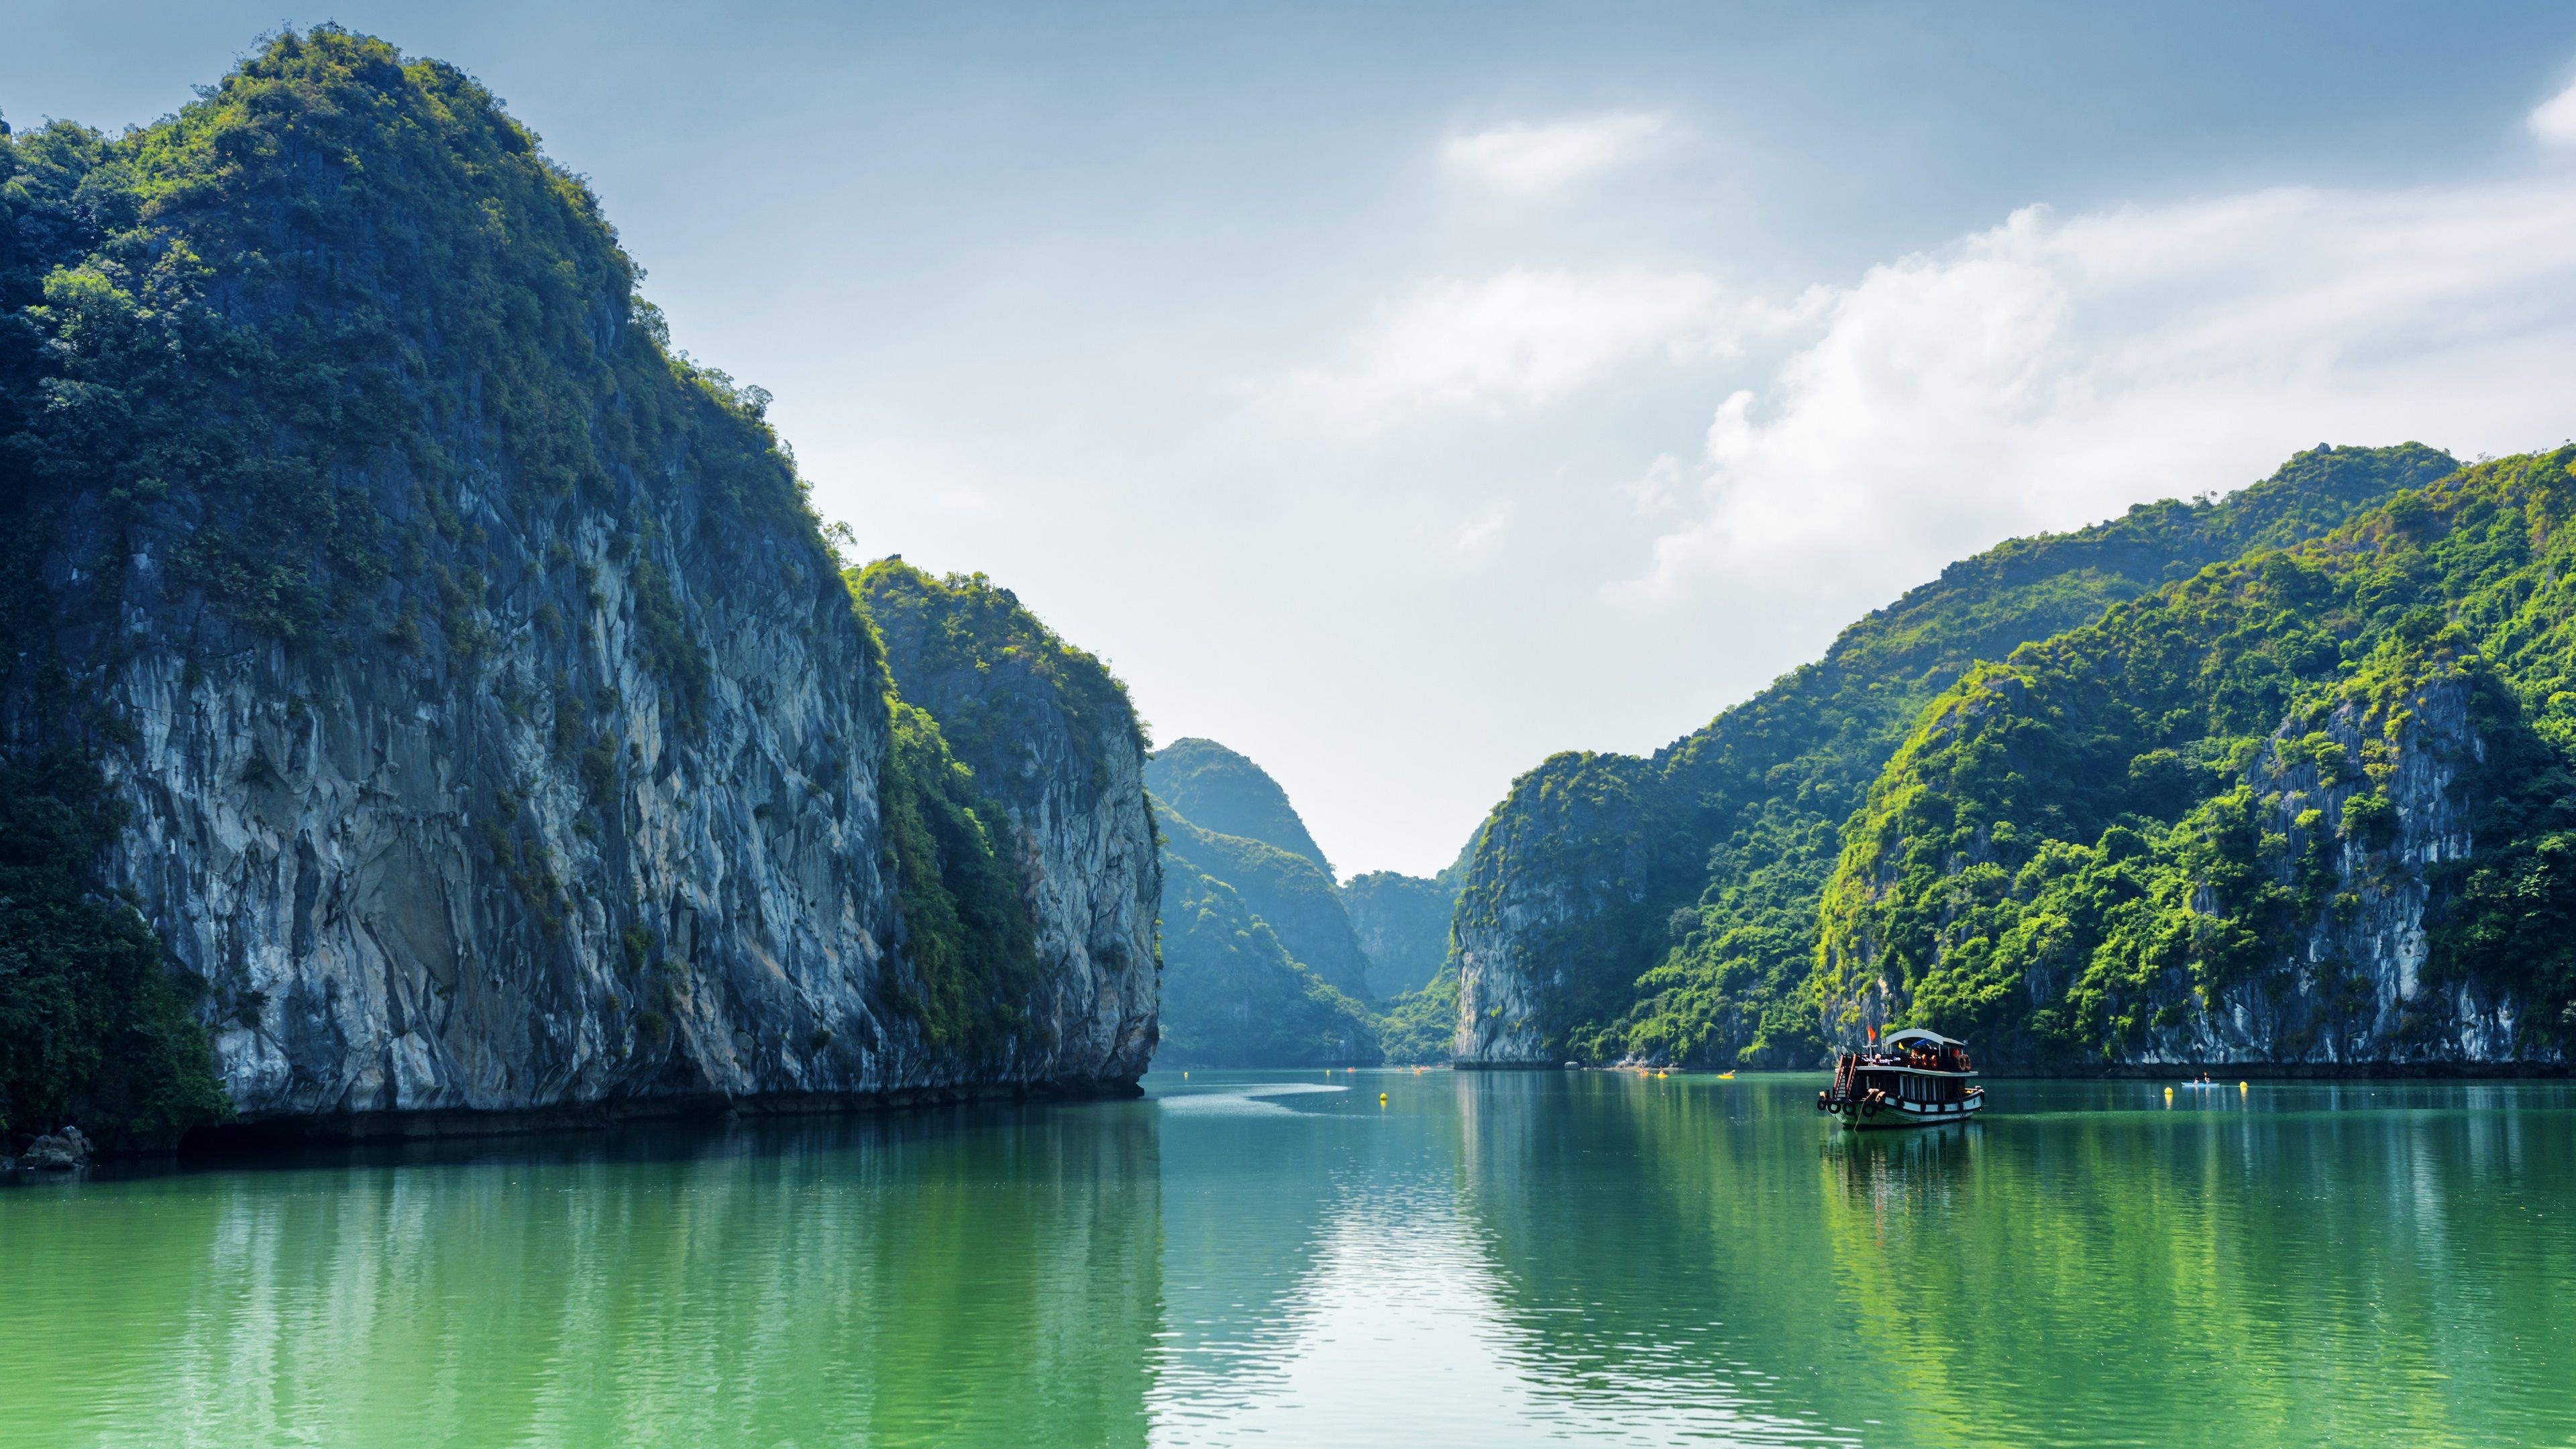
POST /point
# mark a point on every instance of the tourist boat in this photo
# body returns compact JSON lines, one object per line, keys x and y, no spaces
{"x":1915,"y":1078}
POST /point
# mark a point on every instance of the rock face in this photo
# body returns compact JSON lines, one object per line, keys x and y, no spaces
{"x":54,"y":1153}
{"x":1402,"y":924}
{"x":494,"y":729}
{"x":413,"y":885}
{"x":2353,"y":987}
{"x":2346,"y":984}
{"x":1530,"y":927}
{"x":1051,"y":739}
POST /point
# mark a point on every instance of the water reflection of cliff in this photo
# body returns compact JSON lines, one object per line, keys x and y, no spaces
{"x":2314,"y":1265}
{"x":1655,"y":1250}
{"x":2336,"y":1258}
{"x":991,"y":1280}
{"x":1302,"y":1229}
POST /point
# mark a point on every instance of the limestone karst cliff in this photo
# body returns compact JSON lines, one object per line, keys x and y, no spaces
{"x":2313,"y":808}
{"x":483,"y":721}
{"x":1261,"y":966}
{"x":1052,"y":743}
{"x":1667,"y":907}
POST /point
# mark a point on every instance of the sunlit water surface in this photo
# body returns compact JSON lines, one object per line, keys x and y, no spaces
{"x":1276,"y":1258}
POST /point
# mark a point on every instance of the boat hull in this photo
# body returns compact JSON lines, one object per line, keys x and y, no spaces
{"x":1896,"y":1116}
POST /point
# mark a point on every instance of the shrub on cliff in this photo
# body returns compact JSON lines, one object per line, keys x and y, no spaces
{"x":95,"y":1026}
{"x":967,"y":933}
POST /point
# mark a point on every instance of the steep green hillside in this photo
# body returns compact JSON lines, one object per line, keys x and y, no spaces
{"x":949,"y":638}
{"x":1234,"y":995}
{"x":1264,"y":853}
{"x":1265,"y":925}
{"x":1667,"y":906}
{"x":2310,"y":805}
{"x":1230,"y":795}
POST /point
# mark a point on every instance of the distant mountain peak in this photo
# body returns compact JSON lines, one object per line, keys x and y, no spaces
{"x":1223,"y":791}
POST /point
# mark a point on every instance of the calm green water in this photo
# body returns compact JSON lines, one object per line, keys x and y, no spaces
{"x":1274,"y":1258}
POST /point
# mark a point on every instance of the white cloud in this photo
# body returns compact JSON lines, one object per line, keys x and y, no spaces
{"x":1535,"y":159}
{"x":2050,"y":371}
{"x":1519,"y":339}
{"x":2554,"y":120}
{"x":1474,"y":536}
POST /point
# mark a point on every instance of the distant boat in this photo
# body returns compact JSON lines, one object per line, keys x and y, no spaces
{"x":1916,"y":1078}
{"x":1726,"y":1076}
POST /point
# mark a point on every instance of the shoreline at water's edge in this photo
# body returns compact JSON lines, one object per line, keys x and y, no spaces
{"x":446,"y":1122}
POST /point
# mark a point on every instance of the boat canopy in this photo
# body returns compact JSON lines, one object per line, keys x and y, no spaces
{"x":1899,"y":1040}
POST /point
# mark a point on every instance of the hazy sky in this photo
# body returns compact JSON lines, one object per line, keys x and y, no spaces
{"x":1402,"y":395}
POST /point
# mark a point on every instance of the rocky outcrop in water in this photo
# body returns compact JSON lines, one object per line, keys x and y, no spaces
{"x":487,"y":726}
{"x":535,"y":876}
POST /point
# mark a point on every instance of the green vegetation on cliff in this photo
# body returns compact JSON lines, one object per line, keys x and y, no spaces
{"x":335,"y":359}
{"x":1288,"y":891}
{"x":978,"y":689}
{"x":95,"y":1026}
{"x":1251,"y":915}
{"x":1229,"y":794}
{"x":959,"y":629}
{"x":967,"y":931}
{"x":2104,"y":836}
{"x":340,"y":261}
{"x":1668,"y":906}
{"x":1234,"y":995}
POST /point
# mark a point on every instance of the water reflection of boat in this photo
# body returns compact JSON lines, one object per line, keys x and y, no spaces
{"x":1890,"y":1170}
{"x":1916,"y":1078}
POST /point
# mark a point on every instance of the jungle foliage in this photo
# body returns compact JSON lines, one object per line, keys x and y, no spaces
{"x":2102,"y":834}
{"x":1687,"y":885}
{"x":96,"y":1028}
{"x":955,"y":639}
{"x":1234,"y":995}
